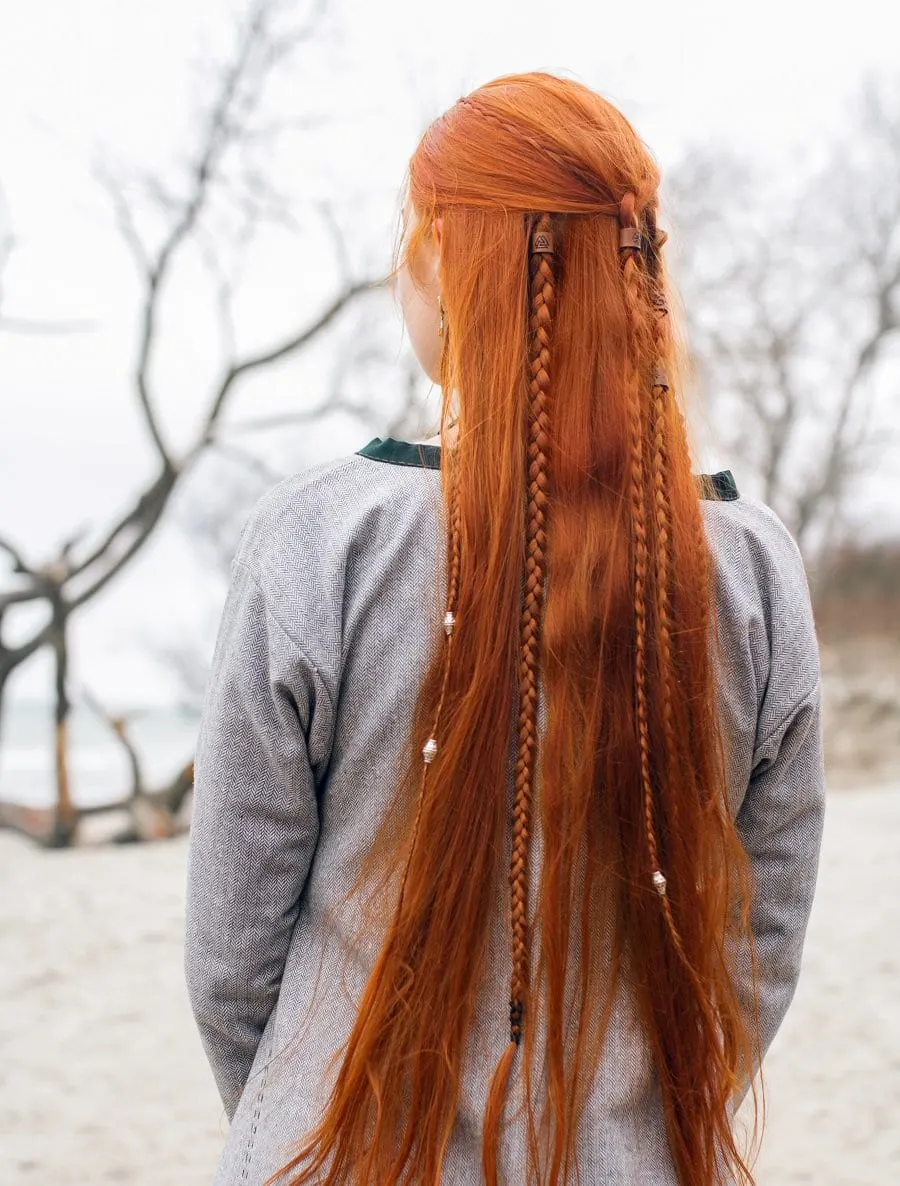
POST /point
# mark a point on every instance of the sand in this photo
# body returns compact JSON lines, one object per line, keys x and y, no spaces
{"x":102,"y":1078}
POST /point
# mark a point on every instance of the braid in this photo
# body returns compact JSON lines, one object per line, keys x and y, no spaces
{"x":663,"y":426}
{"x":635,"y":292}
{"x":542,"y":307}
{"x":543,"y":301}
{"x":453,"y":564}
{"x":659,"y":473}
{"x":663,"y":579}
{"x":638,"y":524}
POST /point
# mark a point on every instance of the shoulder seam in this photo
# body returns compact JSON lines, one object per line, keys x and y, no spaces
{"x":799,"y":704}
{"x":236,"y":562}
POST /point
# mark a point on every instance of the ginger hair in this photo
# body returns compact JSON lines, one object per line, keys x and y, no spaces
{"x":577,"y":572}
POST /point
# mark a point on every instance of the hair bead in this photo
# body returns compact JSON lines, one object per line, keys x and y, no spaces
{"x":630,"y":239}
{"x":449,"y":622}
{"x":429,"y":750}
{"x":542,"y":242}
{"x":659,"y":883}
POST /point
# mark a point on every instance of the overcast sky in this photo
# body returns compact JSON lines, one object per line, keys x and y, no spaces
{"x":122,"y":79}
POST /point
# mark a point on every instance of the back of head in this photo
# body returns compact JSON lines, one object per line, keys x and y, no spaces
{"x":577,"y":568}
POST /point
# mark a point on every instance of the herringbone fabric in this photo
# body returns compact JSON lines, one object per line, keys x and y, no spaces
{"x":336,"y":595}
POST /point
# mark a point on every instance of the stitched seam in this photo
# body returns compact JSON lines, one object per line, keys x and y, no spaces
{"x":251,"y":1139}
{"x":284,"y":630}
{"x":798,"y":706}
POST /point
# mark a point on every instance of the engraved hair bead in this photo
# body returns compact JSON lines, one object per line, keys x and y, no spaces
{"x":659,"y":883}
{"x":429,"y":750}
{"x":449,"y":622}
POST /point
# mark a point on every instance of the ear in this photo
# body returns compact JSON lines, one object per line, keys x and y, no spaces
{"x":438,"y":229}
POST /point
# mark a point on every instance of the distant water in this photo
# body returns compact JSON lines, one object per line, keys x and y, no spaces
{"x":98,"y":767}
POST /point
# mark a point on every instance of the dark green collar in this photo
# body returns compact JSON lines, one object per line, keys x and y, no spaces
{"x":403,"y":453}
{"x":718,"y":487}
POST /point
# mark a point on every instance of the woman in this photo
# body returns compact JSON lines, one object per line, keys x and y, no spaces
{"x":509,"y":793}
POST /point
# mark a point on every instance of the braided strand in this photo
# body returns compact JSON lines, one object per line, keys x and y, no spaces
{"x":640,"y":561}
{"x":542,"y":306}
{"x":453,"y":565}
{"x":543,"y":301}
{"x":638,"y":536}
{"x":641,"y":565}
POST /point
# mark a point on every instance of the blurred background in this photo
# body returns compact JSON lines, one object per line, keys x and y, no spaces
{"x":198,"y":204}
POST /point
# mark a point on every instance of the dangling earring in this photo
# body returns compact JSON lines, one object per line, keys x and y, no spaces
{"x":441,"y":326}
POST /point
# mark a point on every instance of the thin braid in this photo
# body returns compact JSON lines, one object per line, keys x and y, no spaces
{"x":543,"y":302}
{"x":453,"y":564}
{"x":639,"y":549}
{"x":677,"y":425}
{"x":641,"y":561}
{"x":543,"y":298}
{"x":663,"y":580}
{"x":661,"y":493}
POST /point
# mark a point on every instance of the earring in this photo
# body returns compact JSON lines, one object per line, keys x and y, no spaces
{"x":441,"y":326}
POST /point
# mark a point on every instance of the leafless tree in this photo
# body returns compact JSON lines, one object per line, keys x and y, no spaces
{"x":794,"y":302}
{"x":213,"y":524}
{"x":224,"y":193}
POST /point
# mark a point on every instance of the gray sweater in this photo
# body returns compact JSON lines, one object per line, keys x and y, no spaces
{"x":334,"y":602}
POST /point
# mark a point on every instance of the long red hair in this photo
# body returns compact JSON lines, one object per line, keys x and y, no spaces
{"x":577,"y":573}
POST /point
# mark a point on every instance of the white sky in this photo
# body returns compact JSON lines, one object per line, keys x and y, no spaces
{"x":120,"y":76}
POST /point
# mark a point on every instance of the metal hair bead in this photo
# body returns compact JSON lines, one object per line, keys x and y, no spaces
{"x":542,"y":242}
{"x":429,"y":750}
{"x":449,"y":622}
{"x":659,"y":883}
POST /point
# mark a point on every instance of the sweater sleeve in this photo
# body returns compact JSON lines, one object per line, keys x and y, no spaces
{"x":780,"y":824}
{"x":781,"y":816}
{"x":254,"y":828}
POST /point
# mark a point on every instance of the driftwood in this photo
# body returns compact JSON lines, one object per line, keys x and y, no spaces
{"x":151,"y":813}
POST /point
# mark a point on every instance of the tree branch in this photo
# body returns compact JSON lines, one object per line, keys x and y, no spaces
{"x":19,"y":565}
{"x":289,"y":346}
{"x":118,"y":726}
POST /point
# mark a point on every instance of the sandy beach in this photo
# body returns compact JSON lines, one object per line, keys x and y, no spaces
{"x":102,"y":1078}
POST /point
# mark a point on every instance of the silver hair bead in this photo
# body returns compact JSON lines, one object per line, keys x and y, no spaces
{"x":659,"y":883}
{"x":449,"y":622}
{"x":429,"y":750}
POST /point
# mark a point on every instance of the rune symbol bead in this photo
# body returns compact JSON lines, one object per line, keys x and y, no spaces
{"x":659,"y":883}
{"x":449,"y":622}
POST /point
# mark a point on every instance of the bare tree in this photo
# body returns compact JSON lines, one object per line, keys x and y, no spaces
{"x":794,"y":302}
{"x":214,"y":524}
{"x":225,"y":184}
